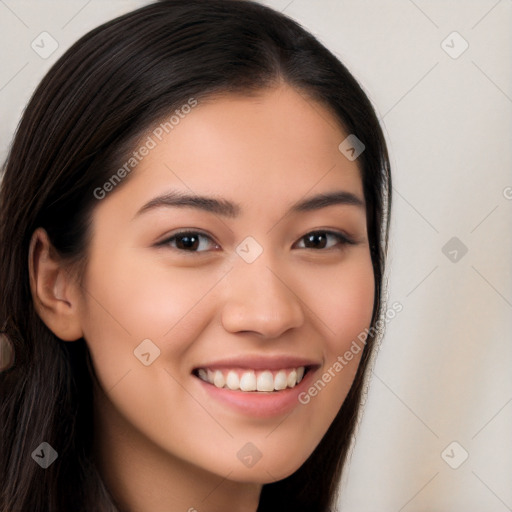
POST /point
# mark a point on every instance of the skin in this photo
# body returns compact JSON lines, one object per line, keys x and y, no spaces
{"x":162,"y":443}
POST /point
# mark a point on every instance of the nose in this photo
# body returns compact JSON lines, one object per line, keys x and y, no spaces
{"x":261,"y":300}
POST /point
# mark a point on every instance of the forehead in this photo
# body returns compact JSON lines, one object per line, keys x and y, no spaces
{"x":262,"y":150}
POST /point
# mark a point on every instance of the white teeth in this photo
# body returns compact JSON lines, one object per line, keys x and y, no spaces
{"x":292,"y":379}
{"x":218,"y":379}
{"x":265,"y":381}
{"x":250,"y":380}
{"x":232,"y":381}
{"x":280,"y":380}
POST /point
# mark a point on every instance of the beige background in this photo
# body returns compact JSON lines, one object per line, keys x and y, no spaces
{"x":443,"y":373}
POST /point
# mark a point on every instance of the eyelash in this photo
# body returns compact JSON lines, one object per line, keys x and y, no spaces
{"x":343,"y":240}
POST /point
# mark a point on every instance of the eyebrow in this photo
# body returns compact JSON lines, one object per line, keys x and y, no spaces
{"x":229,"y":209}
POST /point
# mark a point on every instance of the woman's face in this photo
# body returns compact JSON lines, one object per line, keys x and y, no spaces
{"x":268,"y":280}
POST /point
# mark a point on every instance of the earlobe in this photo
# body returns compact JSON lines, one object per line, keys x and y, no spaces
{"x":54,"y":291}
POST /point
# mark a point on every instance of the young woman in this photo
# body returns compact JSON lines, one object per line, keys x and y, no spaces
{"x":193,"y":225}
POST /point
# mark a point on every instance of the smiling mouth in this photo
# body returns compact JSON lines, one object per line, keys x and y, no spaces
{"x":253,"y":381}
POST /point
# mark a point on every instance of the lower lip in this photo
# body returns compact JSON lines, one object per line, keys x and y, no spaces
{"x":257,"y":403}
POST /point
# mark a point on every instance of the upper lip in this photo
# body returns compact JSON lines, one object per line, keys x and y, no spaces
{"x":277,"y":362}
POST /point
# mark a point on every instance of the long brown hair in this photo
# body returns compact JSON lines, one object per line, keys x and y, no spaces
{"x":82,"y":121}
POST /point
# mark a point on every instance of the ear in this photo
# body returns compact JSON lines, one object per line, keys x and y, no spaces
{"x":54,"y":291}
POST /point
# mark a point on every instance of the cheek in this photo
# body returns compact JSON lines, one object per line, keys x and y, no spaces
{"x":344,"y":309}
{"x":132,"y":299}
{"x":128,"y":302}
{"x":343,"y":300}
{"x":350,"y":306}
{"x":349,"y":315}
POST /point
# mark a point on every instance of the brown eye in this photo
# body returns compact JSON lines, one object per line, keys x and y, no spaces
{"x":315,"y":240}
{"x":189,"y":241}
{"x":320,"y":240}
